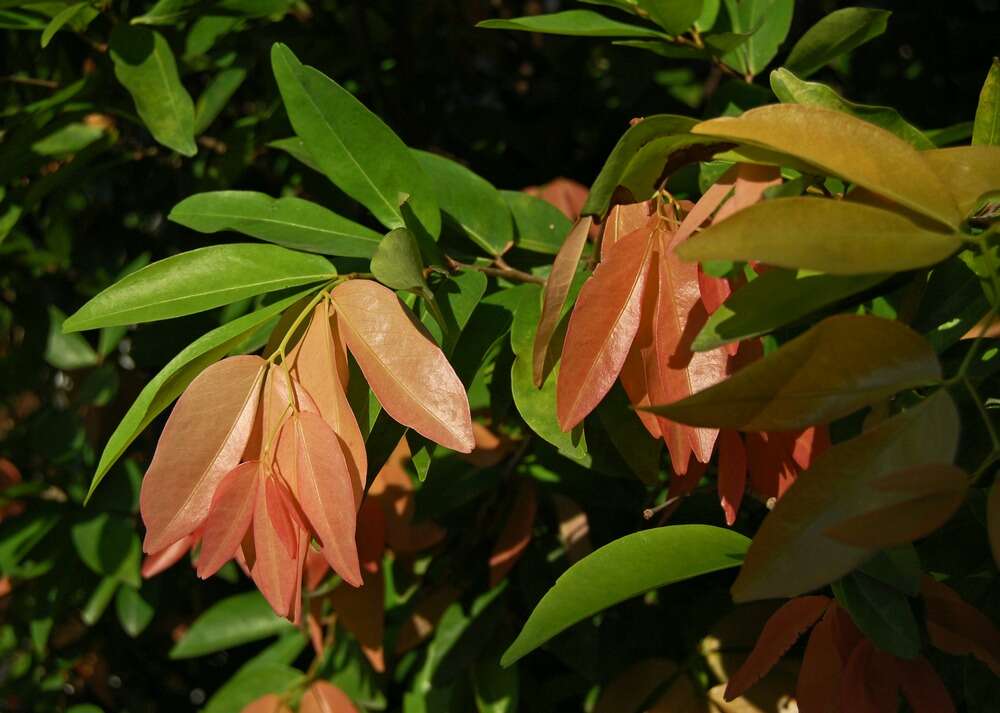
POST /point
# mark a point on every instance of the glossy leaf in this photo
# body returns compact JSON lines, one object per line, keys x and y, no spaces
{"x":843,"y":146}
{"x":791,"y":89}
{"x":408,"y":372}
{"x":397,"y":262}
{"x":292,"y":222}
{"x":986,"y":129}
{"x":538,"y":225}
{"x":767,"y":22}
{"x":229,"y":517}
{"x":199,"y":280}
{"x":236,"y":620}
{"x":623,"y":569}
{"x":273,"y":535}
{"x":843,"y":363}
{"x":790,"y":553}
{"x":732,"y":473}
{"x":202,"y":441}
{"x":352,"y":146}
{"x":834,"y":35}
{"x":968,"y":171}
{"x":582,"y":23}
{"x":674,"y":16}
{"x":324,"y":697}
{"x":145,"y":66}
{"x":881,"y":612}
{"x":623,"y":219}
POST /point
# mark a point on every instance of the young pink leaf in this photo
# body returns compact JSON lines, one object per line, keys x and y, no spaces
{"x":818,"y":687}
{"x":280,"y":507}
{"x":732,"y":473}
{"x":640,"y":369}
{"x":323,"y":697}
{"x":229,"y":517}
{"x":271,"y":570}
{"x":516,"y":534}
{"x":623,"y":219}
{"x":157,"y":562}
{"x":408,"y":372}
{"x":202,"y":441}
{"x":361,"y":611}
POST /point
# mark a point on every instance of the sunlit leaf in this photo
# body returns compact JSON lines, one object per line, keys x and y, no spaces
{"x":236,"y":620}
{"x":396,"y":262}
{"x":674,"y":16}
{"x":538,"y":225}
{"x":767,"y":22}
{"x":229,"y":517}
{"x":834,"y":35}
{"x":324,"y":697}
{"x":968,"y":171}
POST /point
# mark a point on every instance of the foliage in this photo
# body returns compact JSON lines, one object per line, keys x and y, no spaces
{"x":422,"y":414}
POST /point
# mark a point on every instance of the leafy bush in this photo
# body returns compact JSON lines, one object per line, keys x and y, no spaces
{"x":490,"y":449}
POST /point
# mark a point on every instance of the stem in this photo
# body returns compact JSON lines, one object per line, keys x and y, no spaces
{"x":501,"y":269}
{"x":306,"y":311}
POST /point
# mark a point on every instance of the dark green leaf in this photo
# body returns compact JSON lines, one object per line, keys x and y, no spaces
{"x":538,"y":225}
{"x":837,"y":33}
{"x":100,"y":598}
{"x":215,"y":96}
{"x":249,"y":685}
{"x":67,"y":15}
{"x":882,"y":613}
{"x":674,"y":16}
{"x":230,"y":622}
{"x":899,"y":567}
{"x":397,"y":262}
{"x":109,"y":545}
{"x":583,"y":23}
{"x":135,"y":609}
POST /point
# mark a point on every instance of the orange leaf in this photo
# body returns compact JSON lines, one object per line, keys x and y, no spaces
{"x":325,"y":493}
{"x":564,"y":193}
{"x":604,"y":322}
{"x":772,"y":466}
{"x":957,"y":627}
{"x":371,"y":535}
{"x":393,"y":488}
{"x":272,"y":571}
{"x":324,"y":697}
{"x":362,"y":612}
{"x":574,"y":527}
{"x":640,"y":375}
{"x":424,"y":617}
{"x":780,"y":633}
{"x":869,"y":683}
{"x":317,"y":367}
{"x":201,"y":442}
{"x":818,"y":688}
{"x":732,"y":473}
{"x":623,"y":219}
{"x":408,"y":372}
{"x":750,"y":180}
{"x":922,"y":688}
{"x":633,"y":686}
{"x":268,"y":703}
{"x":315,"y":569}
{"x":491,"y":448}
{"x":516,"y":534}
{"x":229,"y":518}
{"x":280,"y":507}
{"x":706,"y":205}
{"x":810,"y":445}
{"x":993,"y":520}
{"x":166,"y":558}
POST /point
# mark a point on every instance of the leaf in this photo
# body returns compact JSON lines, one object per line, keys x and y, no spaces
{"x":538,"y":225}
{"x":199,"y":280}
{"x":216,"y":96}
{"x":470,"y":201}
{"x":922,"y":688}
{"x":843,"y":146}
{"x":780,"y":633}
{"x":554,"y":294}
{"x":623,"y":219}
{"x":408,"y":372}
{"x":61,"y":19}
{"x":958,"y":628}
{"x":145,"y":66}
{"x":496,"y":689}
{"x":352,"y":146}
{"x":882,"y":613}
{"x":108,"y":545}
{"x":993,"y":520}
{"x":834,"y":35}
{"x":268,"y":703}
{"x":580,"y":23}
{"x":362,"y":612}
{"x":792,"y":90}
{"x":986,"y":129}
{"x":292,"y":222}
{"x":323,"y":697}
{"x":928,"y":497}
{"x":843,"y":363}
{"x":767,"y":22}
{"x":516,"y":534}
{"x":202,"y":441}
{"x":631,"y":688}
{"x":232,"y":621}
{"x":674,"y":16}
{"x":172,"y":379}
{"x":397,"y":262}
{"x":67,"y":351}
{"x":229,"y":517}
{"x":969,"y":172}
{"x":274,"y":544}
{"x":776,"y":298}
{"x":623,"y":569}
{"x":732,"y":473}
{"x":790,"y":553}
{"x":135,"y":610}
{"x":818,"y":686}
{"x":604,"y":322}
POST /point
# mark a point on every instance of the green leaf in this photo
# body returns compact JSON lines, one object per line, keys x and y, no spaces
{"x":986,"y":129}
{"x":68,"y":139}
{"x":471,"y":202}
{"x":67,"y":351}
{"x":496,"y":689}
{"x":709,"y":14}
{"x":248,"y":685}
{"x":842,"y":364}
{"x":899,"y":567}
{"x":837,"y":33}
{"x":790,"y":553}
{"x":180,"y":371}
{"x":109,"y":546}
{"x":580,"y":23}
{"x":397,"y":262}
{"x":145,"y":66}
{"x":638,"y":159}
{"x":230,"y":622}
{"x":792,"y":90}
{"x":625,"y":568}
{"x":95,"y":606}
{"x":842,"y":146}
{"x":834,"y":236}
{"x":882,"y":613}
{"x":292,"y":222}
{"x":776,"y":298}
{"x":59,"y":21}
{"x":216,"y":95}
{"x":538,"y":225}
{"x":135,"y":609}
{"x":199,"y":280}
{"x":768,"y":22}
{"x":674,"y":16}
{"x":352,"y":146}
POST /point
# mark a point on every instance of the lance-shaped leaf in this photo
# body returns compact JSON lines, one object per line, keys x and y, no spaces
{"x":958,"y":628}
{"x":780,"y":633}
{"x":640,"y":374}
{"x":554,"y":295}
{"x":229,"y":517}
{"x":927,"y":497}
{"x":604,"y":322}
{"x":866,"y":693}
{"x":767,"y":23}
{"x":843,"y":146}
{"x":791,"y":553}
{"x":409,"y":374}
{"x":625,"y":568}
{"x":623,"y":219}
{"x":199,"y":280}
{"x":233,"y":621}
{"x":968,"y":171}
{"x":166,"y":558}
{"x":362,"y":612}
{"x":397,"y":262}
{"x":986,"y":129}
{"x":818,"y":686}
{"x":324,"y":697}
{"x":538,"y":225}
{"x":516,"y":534}
{"x":202,"y":441}
{"x":352,"y":146}
{"x":732,"y":473}
{"x":145,"y":66}
{"x":289,"y":221}
{"x":837,"y":237}
{"x":836,"y":34}
{"x":582,"y":23}
{"x":325,"y":492}
{"x":881,"y":612}
{"x":923,"y":688}
{"x":273,"y":571}
{"x":674,"y":16}
{"x":843,"y":363}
